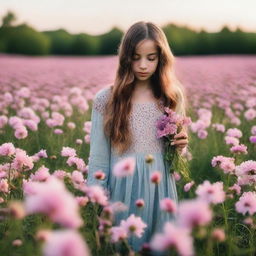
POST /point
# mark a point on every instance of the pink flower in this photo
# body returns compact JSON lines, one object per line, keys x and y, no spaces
{"x":79,"y":141}
{"x":118,"y":234}
{"x":7,"y":149}
{"x":4,"y":186}
{"x":217,"y":160}
{"x":42,"y":153}
{"x":96,"y":194}
{"x":29,"y":187}
{"x":231,"y":140}
{"x":17,"y":242}
{"x":173,"y":237}
{"x":82,"y":200}
{"x":228,"y":166}
{"x":202,"y":134}
{"x":58,"y":131}
{"x":15,"y":122}
{"x":41,"y":174}
{"x":246,"y":180}
{"x":219,"y":127}
{"x":58,"y":118}
{"x":218,"y":234}
{"x":176,"y":176}
{"x":188,"y":186}
{"x":87,"y":126}
{"x":250,"y":114}
{"x":117,"y":206}
{"x":79,"y":162}
{"x":246,"y":168}
{"x":252,"y":139}
{"x":235,"y":188}
{"x":168,"y":205}
{"x":30,"y":124}
{"x":234,"y":132}
{"x":198,"y":125}
{"x":71,"y":125}
{"x":77,"y":177}
{"x":87,"y":139}
{"x":100,"y":175}
{"x":166,"y":126}
{"x":67,"y":151}
{"x":3,"y":121}
{"x":248,"y":221}
{"x":253,"y":130}
{"x":60,"y":174}
{"x":239,"y":149}
{"x":65,"y":243}
{"x":21,"y":132}
{"x":43,"y":235}
{"x":133,"y":225}
{"x":140,"y":203}
{"x":192,"y":213}
{"x":124,"y":167}
{"x":156,"y":177}
{"x":22,"y":160}
{"x":23,"y":92}
{"x":247,"y":203}
{"x":54,"y":200}
{"x":211,"y":193}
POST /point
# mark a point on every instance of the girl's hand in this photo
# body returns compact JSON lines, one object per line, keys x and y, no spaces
{"x":180,"y":140}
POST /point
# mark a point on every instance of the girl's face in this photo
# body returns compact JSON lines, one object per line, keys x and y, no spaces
{"x":145,"y":60}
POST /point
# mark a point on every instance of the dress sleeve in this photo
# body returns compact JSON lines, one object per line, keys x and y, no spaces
{"x":99,"y":156}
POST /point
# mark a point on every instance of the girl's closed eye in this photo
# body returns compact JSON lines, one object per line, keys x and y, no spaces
{"x":148,"y":59}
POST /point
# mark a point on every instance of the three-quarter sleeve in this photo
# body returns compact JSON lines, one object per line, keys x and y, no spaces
{"x":99,"y":156}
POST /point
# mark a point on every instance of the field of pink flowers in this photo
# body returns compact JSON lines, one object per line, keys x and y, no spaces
{"x":46,"y":207}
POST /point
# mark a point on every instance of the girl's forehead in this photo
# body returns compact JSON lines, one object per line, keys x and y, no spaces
{"x":146,"y":47}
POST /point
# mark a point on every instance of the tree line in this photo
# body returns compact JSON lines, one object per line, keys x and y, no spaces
{"x":24,"y":39}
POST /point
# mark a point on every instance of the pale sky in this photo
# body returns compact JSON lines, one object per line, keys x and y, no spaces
{"x":99,"y":16}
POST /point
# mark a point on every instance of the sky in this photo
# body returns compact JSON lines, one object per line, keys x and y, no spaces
{"x":99,"y":16}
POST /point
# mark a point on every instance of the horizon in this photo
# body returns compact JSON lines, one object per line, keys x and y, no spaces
{"x":88,"y":17}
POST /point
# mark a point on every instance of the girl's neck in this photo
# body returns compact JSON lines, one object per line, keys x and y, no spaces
{"x":143,"y":92}
{"x":142,"y":86}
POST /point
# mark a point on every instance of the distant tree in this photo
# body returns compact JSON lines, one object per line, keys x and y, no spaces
{"x":61,"y":41}
{"x":25,"y":40}
{"x":85,"y":44}
{"x":8,"y":19}
{"x":110,"y":41}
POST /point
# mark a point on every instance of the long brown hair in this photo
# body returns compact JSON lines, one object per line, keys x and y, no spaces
{"x":165,"y":85}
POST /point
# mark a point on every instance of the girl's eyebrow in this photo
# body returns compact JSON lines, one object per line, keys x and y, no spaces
{"x":148,"y":54}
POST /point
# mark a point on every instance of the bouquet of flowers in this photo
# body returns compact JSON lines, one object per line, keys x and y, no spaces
{"x":168,"y":126}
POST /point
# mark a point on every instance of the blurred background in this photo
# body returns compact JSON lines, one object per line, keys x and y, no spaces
{"x":83,"y":27}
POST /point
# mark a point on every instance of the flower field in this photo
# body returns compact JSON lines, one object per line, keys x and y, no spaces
{"x":46,"y":208}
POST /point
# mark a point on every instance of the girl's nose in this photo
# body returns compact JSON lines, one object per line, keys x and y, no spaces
{"x":143,"y":64}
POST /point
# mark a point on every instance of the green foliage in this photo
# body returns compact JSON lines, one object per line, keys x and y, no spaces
{"x":25,"y":40}
{"x":183,"y":40}
{"x":84,"y":44}
{"x":61,"y":41}
{"x":110,"y":41}
{"x":8,"y":19}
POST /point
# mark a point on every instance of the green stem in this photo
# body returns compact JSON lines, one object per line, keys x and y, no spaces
{"x":98,"y":246}
{"x":226,"y":229}
{"x":127,"y":245}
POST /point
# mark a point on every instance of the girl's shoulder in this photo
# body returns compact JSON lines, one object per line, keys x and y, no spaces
{"x":100,"y":99}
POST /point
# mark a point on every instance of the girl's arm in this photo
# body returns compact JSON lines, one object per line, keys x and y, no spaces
{"x":99,"y":156}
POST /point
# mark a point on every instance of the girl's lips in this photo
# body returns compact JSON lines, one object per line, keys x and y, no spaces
{"x":142,"y":74}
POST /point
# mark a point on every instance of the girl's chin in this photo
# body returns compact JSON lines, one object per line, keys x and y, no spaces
{"x":142,"y":78}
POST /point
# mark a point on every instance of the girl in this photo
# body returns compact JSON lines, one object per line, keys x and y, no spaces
{"x":124,"y":124}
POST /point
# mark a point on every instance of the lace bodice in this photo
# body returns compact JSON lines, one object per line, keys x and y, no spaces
{"x":142,"y":120}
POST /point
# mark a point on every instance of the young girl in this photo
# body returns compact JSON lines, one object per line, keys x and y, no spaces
{"x":124,"y":124}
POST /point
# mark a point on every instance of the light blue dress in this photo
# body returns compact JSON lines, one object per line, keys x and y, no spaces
{"x":138,"y":186}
